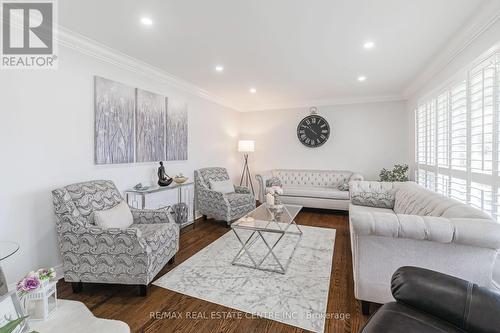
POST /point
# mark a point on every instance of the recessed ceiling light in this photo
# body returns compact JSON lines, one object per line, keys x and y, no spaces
{"x":219,"y":68}
{"x":146,"y":21}
{"x":253,"y":90}
{"x":361,"y":78}
{"x":369,"y":45}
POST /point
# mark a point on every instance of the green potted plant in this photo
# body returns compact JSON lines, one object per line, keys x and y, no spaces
{"x":398,"y":174}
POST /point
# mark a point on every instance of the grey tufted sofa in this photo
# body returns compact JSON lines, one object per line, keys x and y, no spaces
{"x":328,"y":189}
{"x":123,"y":256}
{"x":404,"y":224}
{"x":226,"y":207}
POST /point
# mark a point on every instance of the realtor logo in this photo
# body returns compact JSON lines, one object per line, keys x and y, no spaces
{"x":28,"y":35}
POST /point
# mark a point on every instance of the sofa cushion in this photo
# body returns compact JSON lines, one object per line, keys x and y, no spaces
{"x":465,"y":211}
{"x":310,"y":178}
{"x":373,"y":221}
{"x":413,"y":199}
{"x":117,"y":217}
{"x":315,"y":192}
{"x":239,"y":199}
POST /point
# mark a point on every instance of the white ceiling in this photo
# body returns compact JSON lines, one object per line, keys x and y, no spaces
{"x":292,"y":51}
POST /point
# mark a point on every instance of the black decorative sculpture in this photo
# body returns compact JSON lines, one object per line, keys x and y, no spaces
{"x":163,"y":178}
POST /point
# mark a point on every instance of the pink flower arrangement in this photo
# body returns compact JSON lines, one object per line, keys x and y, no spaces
{"x":34,"y":280}
{"x":28,"y":284}
{"x":275,"y":190}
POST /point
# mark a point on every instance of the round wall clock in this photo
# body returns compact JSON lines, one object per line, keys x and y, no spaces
{"x":313,"y":131}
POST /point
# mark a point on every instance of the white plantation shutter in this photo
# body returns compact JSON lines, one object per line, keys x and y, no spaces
{"x":431,"y":132}
{"x":458,"y":189}
{"x":430,"y":181}
{"x":481,"y":197}
{"x":443,"y":131}
{"x":458,"y":139}
{"x":481,"y":89}
{"x":443,"y":184}
{"x":458,"y":109}
{"x":421,"y":134}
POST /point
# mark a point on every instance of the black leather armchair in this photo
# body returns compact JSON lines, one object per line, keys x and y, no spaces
{"x":428,"y":301}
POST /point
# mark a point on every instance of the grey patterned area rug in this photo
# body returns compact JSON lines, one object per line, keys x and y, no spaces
{"x":297,"y":298}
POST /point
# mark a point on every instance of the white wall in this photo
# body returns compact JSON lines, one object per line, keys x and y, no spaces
{"x":46,"y":135}
{"x":364,"y":138}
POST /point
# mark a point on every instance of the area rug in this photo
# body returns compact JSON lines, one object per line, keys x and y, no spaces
{"x":75,"y":317}
{"x":297,"y":298}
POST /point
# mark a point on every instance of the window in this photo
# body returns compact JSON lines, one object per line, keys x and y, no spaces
{"x":458,"y":139}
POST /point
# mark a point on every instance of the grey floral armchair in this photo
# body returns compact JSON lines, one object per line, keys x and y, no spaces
{"x":124,"y":256}
{"x":226,"y":207}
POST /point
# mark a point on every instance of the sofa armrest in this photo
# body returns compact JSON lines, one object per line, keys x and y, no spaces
{"x":147,"y":216}
{"x":356,"y":177}
{"x":459,"y":302}
{"x":476,"y":232}
{"x":372,"y":193}
{"x":208,"y":195}
{"x":95,"y":240}
{"x":262,"y":179}
{"x":472,"y":232}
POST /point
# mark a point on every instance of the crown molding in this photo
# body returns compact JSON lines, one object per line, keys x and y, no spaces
{"x":486,"y":16}
{"x":324,"y":102}
{"x":77,"y":42}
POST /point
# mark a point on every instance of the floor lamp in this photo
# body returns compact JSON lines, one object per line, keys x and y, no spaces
{"x":245,"y":147}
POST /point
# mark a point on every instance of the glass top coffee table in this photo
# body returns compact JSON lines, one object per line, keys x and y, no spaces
{"x":268,"y":236}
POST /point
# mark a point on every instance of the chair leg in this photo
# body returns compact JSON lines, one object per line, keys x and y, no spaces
{"x":172,"y":260}
{"x":77,"y":287}
{"x":143,"y":290}
{"x":365,"y":308}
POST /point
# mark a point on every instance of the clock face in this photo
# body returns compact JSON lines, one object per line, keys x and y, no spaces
{"x":313,"y":131}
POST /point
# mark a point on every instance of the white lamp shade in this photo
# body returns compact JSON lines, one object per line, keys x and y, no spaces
{"x":246,"y":146}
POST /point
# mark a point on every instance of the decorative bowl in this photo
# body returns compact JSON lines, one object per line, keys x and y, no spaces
{"x":180,"y":180}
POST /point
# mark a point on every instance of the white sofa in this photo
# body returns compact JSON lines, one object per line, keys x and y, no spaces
{"x":403,"y":224}
{"x":328,"y":189}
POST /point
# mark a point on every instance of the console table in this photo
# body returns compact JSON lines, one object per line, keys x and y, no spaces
{"x":156,"y":189}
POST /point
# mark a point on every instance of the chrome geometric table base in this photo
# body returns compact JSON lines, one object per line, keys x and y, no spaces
{"x":259,"y":233}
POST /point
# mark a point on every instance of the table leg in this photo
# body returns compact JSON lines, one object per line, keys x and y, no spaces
{"x":3,"y":283}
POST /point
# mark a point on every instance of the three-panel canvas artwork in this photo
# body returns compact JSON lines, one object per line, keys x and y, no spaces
{"x":135,"y":125}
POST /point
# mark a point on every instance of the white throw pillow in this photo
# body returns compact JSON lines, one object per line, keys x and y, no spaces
{"x":119,"y":217}
{"x":223,"y":186}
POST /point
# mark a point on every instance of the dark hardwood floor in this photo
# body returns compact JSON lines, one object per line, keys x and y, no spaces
{"x":123,"y":302}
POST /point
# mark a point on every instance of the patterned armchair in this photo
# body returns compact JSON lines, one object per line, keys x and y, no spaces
{"x":124,"y":256}
{"x":226,"y":207}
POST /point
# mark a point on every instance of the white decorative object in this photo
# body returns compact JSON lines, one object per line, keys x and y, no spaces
{"x":270,"y":199}
{"x":222,"y":186}
{"x":119,"y":217}
{"x":75,"y":317}
{"x":41,"y":303}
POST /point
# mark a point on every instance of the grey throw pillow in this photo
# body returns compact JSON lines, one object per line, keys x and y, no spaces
{"x":343,"y":186}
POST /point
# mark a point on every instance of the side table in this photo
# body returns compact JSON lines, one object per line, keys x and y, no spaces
{"x":172,"y":187}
